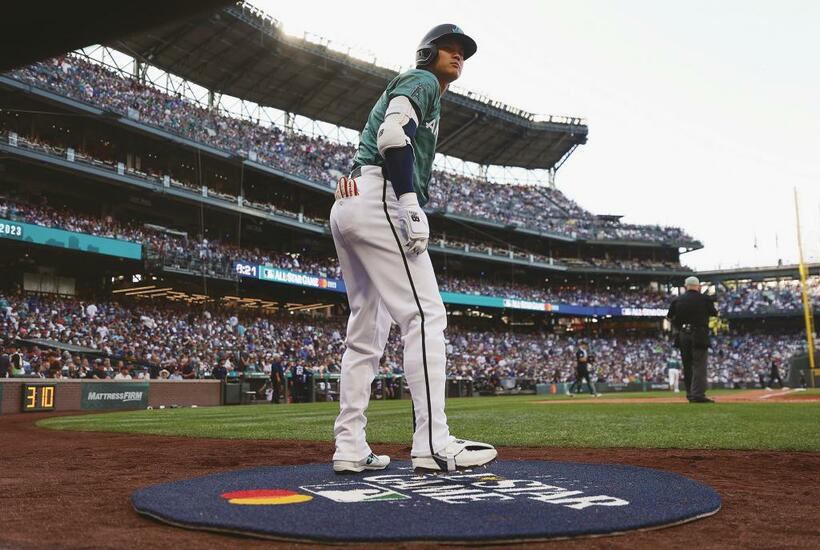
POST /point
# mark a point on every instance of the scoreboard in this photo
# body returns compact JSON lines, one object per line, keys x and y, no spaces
{"x":38,"y":397}
{"x":276,"y":275}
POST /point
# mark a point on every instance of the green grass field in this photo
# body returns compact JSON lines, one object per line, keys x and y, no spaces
{"x":518,"y":421}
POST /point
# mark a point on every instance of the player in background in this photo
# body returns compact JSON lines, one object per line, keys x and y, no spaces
{"x":673,"y":372}
{"x":381,"y":233}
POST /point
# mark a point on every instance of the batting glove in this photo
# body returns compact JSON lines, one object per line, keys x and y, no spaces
{"x":346,"y":187}
{"x":413,"y":223}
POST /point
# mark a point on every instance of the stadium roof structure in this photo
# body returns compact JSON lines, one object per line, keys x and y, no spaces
{"x":791,"y":271}
{"x":35,"y":31}
{"x":242,"y":52}
{"x":62,"y":346}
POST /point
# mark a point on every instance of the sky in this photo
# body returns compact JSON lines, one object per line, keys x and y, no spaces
{"x":703,"y":114}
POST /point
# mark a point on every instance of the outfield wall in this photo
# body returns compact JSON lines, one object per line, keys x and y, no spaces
{"x":43,"y":394}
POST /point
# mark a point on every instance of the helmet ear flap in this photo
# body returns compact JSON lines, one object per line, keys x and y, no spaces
{"x":426,"y":54}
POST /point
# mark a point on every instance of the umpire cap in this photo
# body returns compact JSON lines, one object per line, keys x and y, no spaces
{"x":427,"y":50}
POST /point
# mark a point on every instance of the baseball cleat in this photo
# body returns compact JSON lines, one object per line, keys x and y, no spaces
{"x":458,"y":455}
{"x":370,"y":462}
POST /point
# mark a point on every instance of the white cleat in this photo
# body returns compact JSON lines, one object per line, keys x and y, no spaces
{"x":370,"y":462}
{"x":458,"y":455}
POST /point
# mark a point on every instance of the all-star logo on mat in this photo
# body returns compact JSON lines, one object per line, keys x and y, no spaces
{"x":510,"y":501}
{"x":462,"y":488}
{"x":354,"y":492}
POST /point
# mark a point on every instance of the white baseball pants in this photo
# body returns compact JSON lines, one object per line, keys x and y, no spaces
{"x":674,"y":379}
{"x":385,"y":283}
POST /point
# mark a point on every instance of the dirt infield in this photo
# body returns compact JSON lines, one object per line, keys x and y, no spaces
{"x":753,"y":396}
{"x":63,"y":489}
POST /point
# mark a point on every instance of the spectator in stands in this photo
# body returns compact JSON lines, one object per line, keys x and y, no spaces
{"x":5,"y":363}
{"x":99,"y":371}
{"x":188,"y":370}
{"x":122,"y":373}
{"x":16,"y":359}
{"x":83,"y":368}
{"x":219,"y":372}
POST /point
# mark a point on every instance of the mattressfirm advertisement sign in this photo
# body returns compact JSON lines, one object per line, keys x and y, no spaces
{"x":114,"y":395}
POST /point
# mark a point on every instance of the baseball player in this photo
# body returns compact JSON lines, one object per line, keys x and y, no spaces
{"x":673,"y":373}
{"x":381,"y":235}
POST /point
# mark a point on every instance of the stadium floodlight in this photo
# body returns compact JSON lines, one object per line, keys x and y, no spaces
{"x":152,"y":291}
{"x":132,"y":289}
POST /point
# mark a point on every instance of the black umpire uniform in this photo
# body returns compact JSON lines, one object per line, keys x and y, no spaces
{"x":689,"y":314}
{"x":775,"y":375}
{"x":582,"y":361}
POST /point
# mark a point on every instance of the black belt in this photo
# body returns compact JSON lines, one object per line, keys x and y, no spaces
{"x":689,"y":327}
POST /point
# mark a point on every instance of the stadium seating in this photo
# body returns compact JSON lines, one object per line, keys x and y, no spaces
{"x":318,"y":158}
{"x":168,"y":336}
{"x":216,"y":258}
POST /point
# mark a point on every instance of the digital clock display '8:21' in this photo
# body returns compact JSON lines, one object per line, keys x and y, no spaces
{"x":38,"y":397}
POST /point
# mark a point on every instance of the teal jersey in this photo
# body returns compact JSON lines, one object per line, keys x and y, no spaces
{"x":422,"y":89}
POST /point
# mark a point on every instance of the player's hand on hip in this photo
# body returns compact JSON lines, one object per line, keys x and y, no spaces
{"x":413,"y":224}
{"x":346,"y":187}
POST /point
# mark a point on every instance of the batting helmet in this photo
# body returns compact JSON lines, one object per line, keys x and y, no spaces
{"x":427,"y":51}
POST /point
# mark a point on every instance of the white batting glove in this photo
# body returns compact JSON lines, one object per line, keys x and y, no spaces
{"x":413,"y":223}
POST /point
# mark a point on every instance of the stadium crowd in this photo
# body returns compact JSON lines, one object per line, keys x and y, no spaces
{"x":592,"y":297}
{"x":761,"y":298}
{"x":216,"y":258}
{"x":318,"y":158}
{"x":167,"y":340}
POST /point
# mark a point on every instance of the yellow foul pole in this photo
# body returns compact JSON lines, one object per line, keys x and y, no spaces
{"x":807,"y":311}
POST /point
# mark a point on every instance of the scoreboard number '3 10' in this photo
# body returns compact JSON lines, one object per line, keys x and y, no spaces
{"x":38,"y":397}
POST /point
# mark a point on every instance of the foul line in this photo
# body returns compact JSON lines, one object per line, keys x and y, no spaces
{"x":780,"y":393}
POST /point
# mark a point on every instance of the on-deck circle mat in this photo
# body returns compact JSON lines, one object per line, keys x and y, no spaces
{"x":506,"y":501}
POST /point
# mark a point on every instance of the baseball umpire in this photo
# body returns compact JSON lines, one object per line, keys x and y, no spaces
{"x":381,"y":233}
{"x":582,"y":361}
{"x":689,"y":314}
